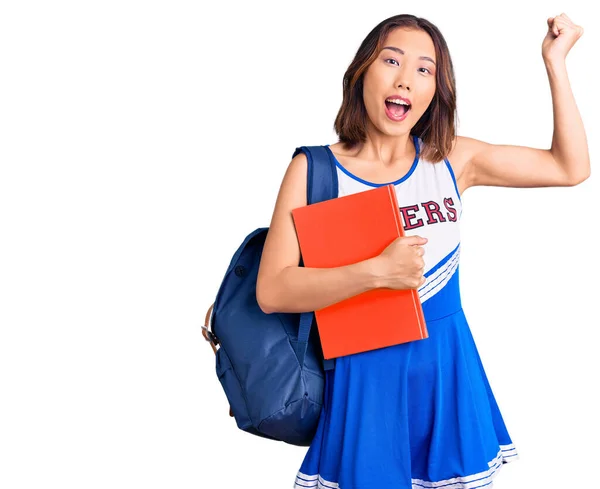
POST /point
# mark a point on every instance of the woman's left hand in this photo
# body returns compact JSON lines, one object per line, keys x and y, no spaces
{"x":561,"y":36}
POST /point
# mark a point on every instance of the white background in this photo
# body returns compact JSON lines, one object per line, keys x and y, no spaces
{"x":142,"y":141}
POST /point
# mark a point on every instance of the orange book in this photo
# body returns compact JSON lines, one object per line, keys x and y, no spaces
{"x":346,"y":230}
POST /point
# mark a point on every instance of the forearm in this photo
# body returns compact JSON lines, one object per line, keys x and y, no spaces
{"x":304,"y":289}
{"x":569,"y":142}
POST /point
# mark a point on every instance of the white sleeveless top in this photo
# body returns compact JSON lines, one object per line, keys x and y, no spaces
{"x":430,"y":206}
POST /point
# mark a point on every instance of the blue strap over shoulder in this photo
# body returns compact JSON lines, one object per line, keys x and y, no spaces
{"x":322,"y":184}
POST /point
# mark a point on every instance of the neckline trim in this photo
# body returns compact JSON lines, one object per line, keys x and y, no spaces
{"x":373,"y":184}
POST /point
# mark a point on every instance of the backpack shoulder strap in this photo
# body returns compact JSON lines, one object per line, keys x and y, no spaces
{"x":322,"y":184}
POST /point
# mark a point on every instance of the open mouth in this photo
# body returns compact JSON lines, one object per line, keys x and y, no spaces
{"x":397,"y":110}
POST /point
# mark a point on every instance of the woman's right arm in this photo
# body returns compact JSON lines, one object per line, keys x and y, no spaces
{"x":283,"y":286}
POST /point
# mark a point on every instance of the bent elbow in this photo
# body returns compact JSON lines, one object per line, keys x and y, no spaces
{"x":579,"y":178}
{"x":263,"y":298}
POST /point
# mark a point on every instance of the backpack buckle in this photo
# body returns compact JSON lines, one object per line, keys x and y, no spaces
{"x":209,"y":336}
{"x":207,"y":333}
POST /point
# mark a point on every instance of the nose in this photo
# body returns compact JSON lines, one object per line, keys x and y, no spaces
{"x":403,"y":83}
{"x":403,"y":79}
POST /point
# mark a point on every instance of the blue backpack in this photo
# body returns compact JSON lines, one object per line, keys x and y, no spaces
{"x":270,"y":366}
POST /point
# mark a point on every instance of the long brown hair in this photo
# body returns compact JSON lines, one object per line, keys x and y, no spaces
{"x":436,"y":127}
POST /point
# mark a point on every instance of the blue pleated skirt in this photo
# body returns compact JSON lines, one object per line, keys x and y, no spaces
{"x":416,"y":415}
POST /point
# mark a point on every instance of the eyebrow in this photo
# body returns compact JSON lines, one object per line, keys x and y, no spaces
{"x":398,"y":50}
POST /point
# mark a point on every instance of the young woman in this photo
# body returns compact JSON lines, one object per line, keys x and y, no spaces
{"x":420,"y":414}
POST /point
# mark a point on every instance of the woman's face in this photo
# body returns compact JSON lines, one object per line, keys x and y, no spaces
{"x":393,"y":74}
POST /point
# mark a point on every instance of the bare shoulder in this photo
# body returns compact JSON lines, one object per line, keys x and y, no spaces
{"x":295,"y":178}
{"x":292,"y":192}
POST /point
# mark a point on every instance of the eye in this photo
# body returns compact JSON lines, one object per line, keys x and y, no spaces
{"x":426,"y":69}
{"x":392,"y":59}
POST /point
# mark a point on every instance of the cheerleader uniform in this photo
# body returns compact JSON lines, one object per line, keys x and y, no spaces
{"x":420,"y":414}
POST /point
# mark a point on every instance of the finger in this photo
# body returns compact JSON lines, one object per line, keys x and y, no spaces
{"x":560,"y":24}
{"x":414,"y":240}
{"x":574,"y":25}
{"x":554,"y":23}
{"x":551,"y":26}
{"x":566,"y":17}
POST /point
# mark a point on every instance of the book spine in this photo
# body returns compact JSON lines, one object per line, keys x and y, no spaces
{"x":414,"y":293}
{"x":396,"y":209}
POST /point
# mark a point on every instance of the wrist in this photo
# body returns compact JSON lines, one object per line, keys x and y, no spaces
{"x":554,"y":65}
{"x":376,"y":272}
